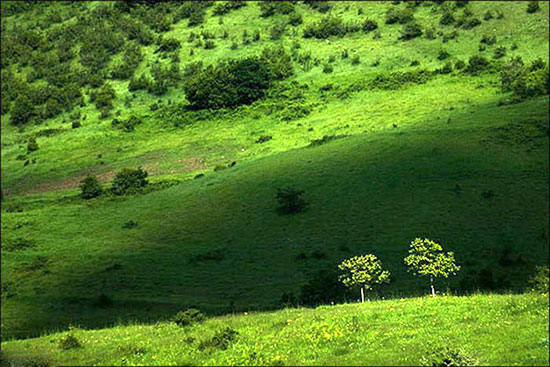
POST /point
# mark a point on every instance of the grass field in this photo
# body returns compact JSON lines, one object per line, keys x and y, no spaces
{"x":454,"y":159}
{"x":412,"y":331}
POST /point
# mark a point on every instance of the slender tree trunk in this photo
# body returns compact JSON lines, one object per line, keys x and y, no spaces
{"x":362,"y":294}
{"x":432,"y":286}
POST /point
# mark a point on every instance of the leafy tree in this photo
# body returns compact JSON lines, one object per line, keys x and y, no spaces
{"x":129,"y":181}
{"x":290,"y":200}
{"x":363,"y":271}
{"x":90,"y":187}
{"x":22,"y":110}
{"x":426,"y":258}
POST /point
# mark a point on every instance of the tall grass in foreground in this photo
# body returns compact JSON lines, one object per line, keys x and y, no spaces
{"x":484,"y":329}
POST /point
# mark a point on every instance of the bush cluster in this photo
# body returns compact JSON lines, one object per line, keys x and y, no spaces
{"x":220,"y":340}
{"x":329,"y":26}
{"x":225,"y":7}
{"x":269,"y":8}
{"x":129,"y":181}
{"x":410,"y":30}
{"x":525,"y":81}
{"x":90,"y":187}
{"x":476,"y":65}
{"x":127,"y":125}
{"x":188,"y":317}
{"x":400,"y":16}
{"x":237,"y":82}
{"x":396,"y":80}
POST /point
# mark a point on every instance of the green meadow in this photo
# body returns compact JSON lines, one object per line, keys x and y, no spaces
{"x":385,"y":144}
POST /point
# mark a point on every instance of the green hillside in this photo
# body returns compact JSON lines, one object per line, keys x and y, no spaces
{"x":414,"y":331}
{"x":444,"y":135}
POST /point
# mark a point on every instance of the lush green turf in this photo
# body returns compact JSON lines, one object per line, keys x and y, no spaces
{"x":373,"y":191}
{"x":496,"y":330}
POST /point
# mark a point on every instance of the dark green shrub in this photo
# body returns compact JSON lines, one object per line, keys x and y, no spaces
{"x":468,"y":23}
{"x":103,"y":98}
{"x":532,"y":84}
{"x":90,"y":187}
{"x":539,"y":282}
{"x":228,"y":84}
{"x":477,"y":64}
{"x":141,"y":82}
{"x":488,"y":16}
{"x":127,"y":125}
{"x":295,"y":19}
{"x":369,"y":25}
{"x":447,"y":18}
{"x":430,"y":33}
{"x":209,"y":45}
{"x":277,"y":31}
{"x":290,"y":201}
{"x":533,"y":7}
{"x":488,"y":40}
{"x":21,"y":111}
{"x":410,"y":30}
{"x":269,"y":8}
{"x":499,"y":52}
{"x":327,"y":68}
{"x":443,"y":54}
{"x":234,"y":46}
{"x":329,"y":26}
{"x":355,"y":60}
{"x":69,"y":341}
{"x":325,"y":139}
{"x":263,"y":139}
{"x":320,"y":6}
{"x":237,"y":82}
{"x":225,"y":7}
{"x":32,"y":145}
{"x":130,"y":224}
{"x":459,"y":65}
{"x":450,"y":36}
{"x":401,"y":16}
{"x":168,"y":45}
{"x":277,"y":62}
{"x":220,"y":340}
{"x":129,"y":181}
{"x":446,"y":69}
{"x":196,"y":18}
{"x":75,"y":124}
{"x":188,"y":317}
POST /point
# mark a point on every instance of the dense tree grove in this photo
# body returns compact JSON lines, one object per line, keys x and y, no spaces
{"x":237,"y":82}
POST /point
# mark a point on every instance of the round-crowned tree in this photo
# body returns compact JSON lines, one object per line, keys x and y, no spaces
{"x":90,"y":187}
{"x":426,"y":258}
{"x":363,"y":271}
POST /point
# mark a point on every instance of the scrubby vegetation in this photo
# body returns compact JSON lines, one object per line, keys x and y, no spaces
{"x":274,"y":140}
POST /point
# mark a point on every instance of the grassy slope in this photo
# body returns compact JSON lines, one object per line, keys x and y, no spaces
{"x":374,"y":191}
{"x":391,"y":332}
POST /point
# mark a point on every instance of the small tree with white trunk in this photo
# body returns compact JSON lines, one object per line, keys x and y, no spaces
{"x":364,"y":272}
{"x":426,"y":258}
